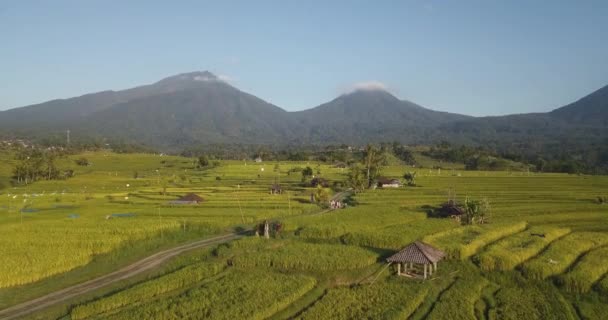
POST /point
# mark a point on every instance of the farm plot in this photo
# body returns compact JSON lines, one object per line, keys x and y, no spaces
{"x":239,"y":295}
{"x":184,"y":277}
{"x":293,"y":255}
{"x":394,"y":299}
{"x":507,"y":253}
{"x":518,"y":298}
{"x":463,"y":242}
{"x":34,"y":251}
{"x":458,"y":302}
{"x":563,"y":253}
{"x":588,"y":270}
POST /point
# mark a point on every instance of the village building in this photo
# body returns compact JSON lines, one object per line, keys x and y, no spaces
{"x":415,"y":255}
{"x":258,"y":159}
{"x":190,"y":198}
{"x":388,"y":183}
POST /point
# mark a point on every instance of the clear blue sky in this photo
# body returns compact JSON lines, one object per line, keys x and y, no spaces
{"x":483,"y":57}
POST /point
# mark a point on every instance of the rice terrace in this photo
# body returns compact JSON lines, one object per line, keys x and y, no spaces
{"x":279,"y":160}
{"x":543,"y":243}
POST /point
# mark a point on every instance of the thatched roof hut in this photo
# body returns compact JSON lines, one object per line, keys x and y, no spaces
{"x":189,"y":198}
{"x":384,"y":182}
{"x":419,"y":253}
{"x":276,"y":189}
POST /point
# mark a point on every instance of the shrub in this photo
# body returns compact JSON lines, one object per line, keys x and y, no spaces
{"x":82,"y":161}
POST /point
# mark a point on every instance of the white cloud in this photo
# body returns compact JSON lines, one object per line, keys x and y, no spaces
{"x":224,"y":78}
{"x":219,"y":77}
{"x":203,"y":78}
{"x":367,"y":86}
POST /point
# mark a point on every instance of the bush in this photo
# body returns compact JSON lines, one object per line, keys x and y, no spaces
{"x":82,"y":161}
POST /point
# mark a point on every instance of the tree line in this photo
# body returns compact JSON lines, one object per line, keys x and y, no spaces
{"x":32,"y":164}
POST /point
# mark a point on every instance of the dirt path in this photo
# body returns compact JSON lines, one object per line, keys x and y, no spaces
{"x":138,"y":267}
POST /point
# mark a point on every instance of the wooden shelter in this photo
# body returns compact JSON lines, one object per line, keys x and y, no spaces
{"x":384,"y":182}
{"x":276,"y":189}
{"x":417,"y":253}
{"x":190,"y":198}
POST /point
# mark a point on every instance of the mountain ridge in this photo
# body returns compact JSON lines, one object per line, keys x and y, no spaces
{"x":200,"y":108}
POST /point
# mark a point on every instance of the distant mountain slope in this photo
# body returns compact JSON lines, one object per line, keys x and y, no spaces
{"x":590,"y":110}
{"x":211,"y":113}
{"x":371,"y":115}
{"x":63,"y":112}
{"x":198,"y":108}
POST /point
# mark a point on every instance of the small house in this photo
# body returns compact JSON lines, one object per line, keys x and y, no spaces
{"x":258,"y":159}
{"x":276,"y":189}
{"x":388,"y":183}
{"x":190,"y":198}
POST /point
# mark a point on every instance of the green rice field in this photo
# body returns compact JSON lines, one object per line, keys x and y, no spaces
{"x":542,"y":254}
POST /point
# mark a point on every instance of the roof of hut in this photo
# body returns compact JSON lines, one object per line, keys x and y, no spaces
{"x":191,"y":197}
{"x":418,"y":252}
{"x":385,"y":180}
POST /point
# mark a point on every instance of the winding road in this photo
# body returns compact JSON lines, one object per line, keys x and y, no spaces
{"x":133,"y":269}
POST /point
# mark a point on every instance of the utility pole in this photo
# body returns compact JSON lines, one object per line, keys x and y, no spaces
{"x":160,"y":221}
{"x":239,"y":202}
{"x":289,"y":202}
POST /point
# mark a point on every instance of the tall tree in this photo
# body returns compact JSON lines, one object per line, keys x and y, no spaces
{"x":373,"y":160}
{"x":356,"y":178}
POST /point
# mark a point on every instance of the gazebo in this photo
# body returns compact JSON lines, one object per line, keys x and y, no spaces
{"x":419,"y":253}
{"x":276,"y":189}
{"x":190,"y":198}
